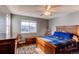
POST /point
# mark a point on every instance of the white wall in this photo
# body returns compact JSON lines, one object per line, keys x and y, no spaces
{"x":2,"y":25}
{"x":16,"y":25}
{"x":70,"y":19}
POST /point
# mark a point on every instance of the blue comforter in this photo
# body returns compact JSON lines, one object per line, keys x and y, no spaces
{"x":55,"y":40}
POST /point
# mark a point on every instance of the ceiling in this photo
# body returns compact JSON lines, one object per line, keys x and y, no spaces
{"x":37,"y":10}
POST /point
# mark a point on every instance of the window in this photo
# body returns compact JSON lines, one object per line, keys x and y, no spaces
{"x":28,"y":27}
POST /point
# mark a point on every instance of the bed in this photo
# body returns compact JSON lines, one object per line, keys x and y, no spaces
{"x":62,"y":37}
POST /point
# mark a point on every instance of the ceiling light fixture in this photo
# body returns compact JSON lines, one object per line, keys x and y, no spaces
{"x":47,"y":11}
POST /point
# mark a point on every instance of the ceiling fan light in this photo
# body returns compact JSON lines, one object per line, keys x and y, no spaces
{"x":47,"y":13}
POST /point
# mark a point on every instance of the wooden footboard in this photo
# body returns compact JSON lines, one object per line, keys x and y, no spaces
{"x":45,"y":46}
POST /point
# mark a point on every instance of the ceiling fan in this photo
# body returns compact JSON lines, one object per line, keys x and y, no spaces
{"x":49,"y":9}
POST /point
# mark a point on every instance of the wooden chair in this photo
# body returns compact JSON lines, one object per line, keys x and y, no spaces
{"x":19,"y":40}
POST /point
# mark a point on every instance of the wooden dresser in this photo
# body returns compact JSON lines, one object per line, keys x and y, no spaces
{"x":7,"y":46}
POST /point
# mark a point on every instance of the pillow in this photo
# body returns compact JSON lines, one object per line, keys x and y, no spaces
{"x":75,"y":38}
{"x":57,"y":34}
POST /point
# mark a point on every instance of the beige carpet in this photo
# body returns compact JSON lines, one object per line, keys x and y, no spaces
{"x":30,"y":49}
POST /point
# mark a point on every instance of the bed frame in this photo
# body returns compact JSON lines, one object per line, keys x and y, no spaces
{"x":47,"y":48}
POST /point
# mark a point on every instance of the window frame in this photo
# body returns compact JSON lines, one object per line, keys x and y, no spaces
{"x":29,"y":26}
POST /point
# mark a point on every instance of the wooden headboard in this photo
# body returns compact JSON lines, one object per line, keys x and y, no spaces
{"x":74,"y":29}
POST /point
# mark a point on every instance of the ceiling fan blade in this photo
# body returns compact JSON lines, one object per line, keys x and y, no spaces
{"x":53,"y":10}
{"x":48,"y":7}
